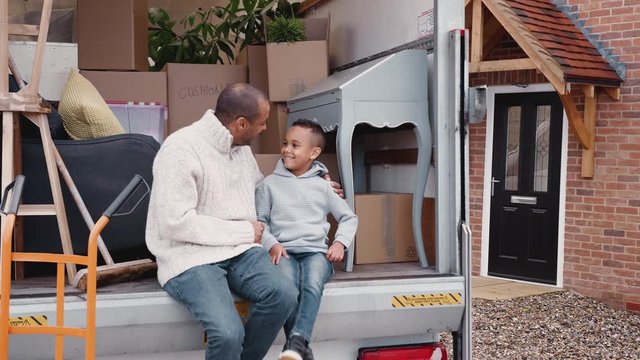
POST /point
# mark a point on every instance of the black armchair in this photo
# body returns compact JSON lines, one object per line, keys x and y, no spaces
{"x":100,"y":169}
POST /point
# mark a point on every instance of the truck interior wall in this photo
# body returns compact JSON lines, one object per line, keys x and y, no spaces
{"x":360,"y":28}
{"x":352,"y":38}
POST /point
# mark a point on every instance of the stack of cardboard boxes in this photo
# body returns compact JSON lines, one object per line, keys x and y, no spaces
{"x":113,"y":55}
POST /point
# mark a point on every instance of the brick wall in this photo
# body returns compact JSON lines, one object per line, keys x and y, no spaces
{"x":602,"y":235}
{"x":602,"y":231}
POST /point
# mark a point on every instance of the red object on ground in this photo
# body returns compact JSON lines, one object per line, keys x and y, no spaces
{"x":433,"y":351}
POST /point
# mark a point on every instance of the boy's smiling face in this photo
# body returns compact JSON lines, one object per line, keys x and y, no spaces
{"x":299,"y":149}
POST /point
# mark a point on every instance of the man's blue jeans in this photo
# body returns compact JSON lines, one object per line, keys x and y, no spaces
{"x":206,"y":291}
{"x":309,"y":272}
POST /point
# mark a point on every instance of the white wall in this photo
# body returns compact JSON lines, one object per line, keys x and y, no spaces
{"x":360,"y":28}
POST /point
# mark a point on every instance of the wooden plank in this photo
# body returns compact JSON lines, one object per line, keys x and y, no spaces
{"x":36,"y":70}
{"x":36,"y":210}
{"x":19,"y":102}
{"x":532,"y":47}
{"x":501,"y":65}
{"x":398,"y":156}
{"x":588,"y":155}
{"x":18,"y":226}
{"x":24,"y":29}
{"x":7,"y":158}
{"x":54,"y":181}
{"x":575,"y":121}
{"x":4,"y":46}
{"x":587,"y":90}
{"x":477,"y":31}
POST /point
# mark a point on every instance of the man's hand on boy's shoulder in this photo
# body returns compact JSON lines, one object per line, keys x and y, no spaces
{"x":277,"y":251}
{"x":336,"y":186}
{"x":335,"y":253}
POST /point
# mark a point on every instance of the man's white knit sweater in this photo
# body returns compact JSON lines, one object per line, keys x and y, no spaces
{"x":203,"y":198}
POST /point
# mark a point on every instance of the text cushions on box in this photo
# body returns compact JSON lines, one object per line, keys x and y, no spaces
{"x":85,"y":114}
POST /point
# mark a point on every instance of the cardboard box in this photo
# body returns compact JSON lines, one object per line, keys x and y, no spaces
{"x":271,"y":139}
{"x":294,"y":67}
{"x":129,"y":86}
{"x":112,"y":35}
{"x":385,"y":232}
{"x":255,"y":57}
{"x":194,"y":88}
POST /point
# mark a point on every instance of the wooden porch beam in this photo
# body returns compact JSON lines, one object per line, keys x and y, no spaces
{"x":613,"y":92}
{"x":502,"y":65}
{"x":575,"y":121}
{"x":588,"y":154}
{"x":477,"y":32}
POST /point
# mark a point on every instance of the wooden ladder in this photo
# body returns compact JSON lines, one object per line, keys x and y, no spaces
{"x":30,"y":104}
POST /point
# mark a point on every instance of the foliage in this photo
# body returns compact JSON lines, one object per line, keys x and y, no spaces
{"x":201,"y":42}
{"x":245,"y":18}
{"x":282,"y":29}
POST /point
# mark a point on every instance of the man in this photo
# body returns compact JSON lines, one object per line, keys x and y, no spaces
{"x":203,"y":231}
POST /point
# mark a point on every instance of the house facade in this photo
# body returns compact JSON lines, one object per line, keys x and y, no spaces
{"x":555,"y":195}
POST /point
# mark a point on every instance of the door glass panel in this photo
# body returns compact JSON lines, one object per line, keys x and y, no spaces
{"x":541,"y":170}
{"x":513,"y":149}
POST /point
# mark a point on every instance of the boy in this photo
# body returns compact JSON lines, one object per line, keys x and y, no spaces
{"x":293,"y":204}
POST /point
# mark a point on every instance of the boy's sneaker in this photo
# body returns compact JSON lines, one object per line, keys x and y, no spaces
{"x":295,"y":348}
{"x":308,"y":355}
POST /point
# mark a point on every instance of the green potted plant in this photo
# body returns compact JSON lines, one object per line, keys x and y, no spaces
{"x":198,"y":62}
{"x":201,"y":42}
{"x":283,"y":29}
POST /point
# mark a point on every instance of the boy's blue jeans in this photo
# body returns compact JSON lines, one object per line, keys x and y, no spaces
{"x":206,"y":291}
{"x":309,"y":272}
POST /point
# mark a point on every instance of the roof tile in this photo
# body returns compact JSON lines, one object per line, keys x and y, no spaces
{"x":566,"y":43}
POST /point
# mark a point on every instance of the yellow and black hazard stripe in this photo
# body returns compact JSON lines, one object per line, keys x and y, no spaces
{"x":33,"y":320}
{"x":421,"y":300}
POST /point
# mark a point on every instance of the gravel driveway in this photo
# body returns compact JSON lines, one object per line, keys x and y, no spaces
{"x":560,"y":325}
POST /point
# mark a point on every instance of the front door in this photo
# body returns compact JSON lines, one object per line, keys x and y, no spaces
{"x":523,"y":235}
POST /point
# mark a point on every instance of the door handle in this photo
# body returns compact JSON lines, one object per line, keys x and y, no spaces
{"x":494,"y":181}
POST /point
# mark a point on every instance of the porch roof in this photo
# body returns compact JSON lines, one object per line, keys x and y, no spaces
{"x":563,"y":40}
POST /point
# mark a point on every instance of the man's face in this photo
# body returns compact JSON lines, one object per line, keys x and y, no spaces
{"x":253,"y":129}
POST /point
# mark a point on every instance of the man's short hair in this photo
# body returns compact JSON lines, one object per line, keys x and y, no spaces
{"x":316,"y":130}
{"x":237,"y":100}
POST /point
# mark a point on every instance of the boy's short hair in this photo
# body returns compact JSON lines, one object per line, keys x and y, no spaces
{"x":316,"y":130}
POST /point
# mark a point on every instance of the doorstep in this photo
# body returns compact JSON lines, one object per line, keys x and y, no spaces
{"x":490,"y":288}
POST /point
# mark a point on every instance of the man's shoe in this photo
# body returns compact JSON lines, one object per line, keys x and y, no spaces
{"x":294,"y":349}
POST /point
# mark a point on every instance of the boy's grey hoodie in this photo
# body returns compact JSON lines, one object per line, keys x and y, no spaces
{"x":294,"y":210}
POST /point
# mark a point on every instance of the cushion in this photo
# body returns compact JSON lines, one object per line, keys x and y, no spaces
{"x":85,"y":114}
